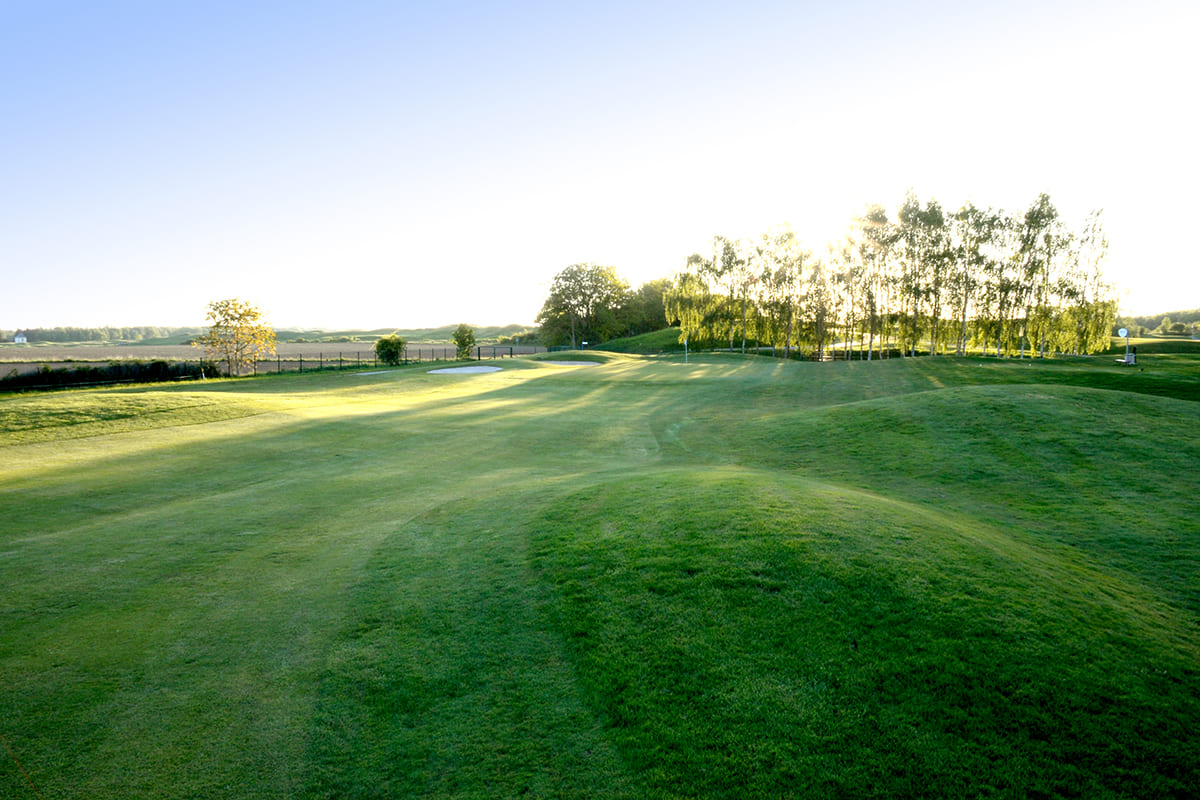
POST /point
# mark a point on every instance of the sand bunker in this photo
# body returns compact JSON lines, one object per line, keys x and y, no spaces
{"x":462,"y":370}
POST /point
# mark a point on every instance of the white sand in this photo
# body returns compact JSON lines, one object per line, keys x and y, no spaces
{"x":462,"y":370}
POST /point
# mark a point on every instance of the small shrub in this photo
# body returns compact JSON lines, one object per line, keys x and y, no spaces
{"x":464,"y":339}
{"x":390,"y":349}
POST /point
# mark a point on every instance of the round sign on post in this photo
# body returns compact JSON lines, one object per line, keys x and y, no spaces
{"x":1122,"y":333}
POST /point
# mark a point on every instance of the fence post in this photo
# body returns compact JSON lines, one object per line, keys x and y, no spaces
{"x":339,"y":360}
{"x":302,"y":362}
{"x":278,"y":364}
{"x":320,"y":361}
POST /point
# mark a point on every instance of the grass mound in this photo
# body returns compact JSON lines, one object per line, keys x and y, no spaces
{"x":1107,"y":473}
{"x":794,"y":639}
{"x":661,"y":341}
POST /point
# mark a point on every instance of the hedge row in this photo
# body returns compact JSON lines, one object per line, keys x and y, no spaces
{"x":113,"y":372}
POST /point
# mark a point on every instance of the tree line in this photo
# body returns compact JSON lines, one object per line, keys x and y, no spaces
{"x":592,"y":303}
{"x":103,"y":334}
{"x":925,"y":279}
{"x":1174,"y":323}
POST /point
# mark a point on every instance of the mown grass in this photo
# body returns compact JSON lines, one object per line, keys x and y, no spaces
{"x":729,"y":578}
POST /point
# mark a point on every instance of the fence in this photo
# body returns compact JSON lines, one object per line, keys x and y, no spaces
{"x":291,"y":362}
{"x":361,"y":360}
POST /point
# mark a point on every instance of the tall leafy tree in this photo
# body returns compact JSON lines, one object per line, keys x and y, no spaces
{"x":725,"y":273}
{"x":974,"y":233}
{"x":877,"y":238}
{"x":583,"y":304}
{"x":644,"y":310}
{"x":1043,"y":241}
{"x":780,"y":260}
{"x":688,"y":304}
{"x":1094,"y":304}
{"x":237,"y":334}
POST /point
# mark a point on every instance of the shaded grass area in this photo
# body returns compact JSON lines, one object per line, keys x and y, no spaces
{"x":733,"y":577}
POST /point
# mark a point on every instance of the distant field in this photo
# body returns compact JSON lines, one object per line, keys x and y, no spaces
{"x":29,"y":358}
{"x":733,"y":578}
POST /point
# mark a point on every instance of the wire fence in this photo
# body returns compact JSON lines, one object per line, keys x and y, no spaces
{"x":23,"y":375}
{"x":362,"y":360}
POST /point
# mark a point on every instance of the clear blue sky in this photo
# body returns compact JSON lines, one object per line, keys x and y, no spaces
{"x":358,"y":163}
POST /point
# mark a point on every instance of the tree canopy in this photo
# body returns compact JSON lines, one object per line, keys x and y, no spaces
{"x":928,"y":279}
{"x":584,"y":304}
{"x":237,"y":334}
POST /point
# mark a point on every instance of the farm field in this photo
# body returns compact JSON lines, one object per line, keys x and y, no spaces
{"x":30,"y":358}
{"x":734,"y":577}
{"x":51,"y":353}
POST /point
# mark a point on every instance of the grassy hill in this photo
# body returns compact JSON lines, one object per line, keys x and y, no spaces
{"x":661,"y":341}
{"x":736,"y":577}
{"x":485,"y":333}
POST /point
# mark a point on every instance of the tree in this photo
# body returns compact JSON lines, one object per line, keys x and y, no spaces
{"x":878,"y":237}
{"x":464,"y":338}
{"x":237,"y":334}
{"x":973,"y":234}
{"x":1043,"y":241}
{"x":686,"y":304}
{"x":645,"y":310}
{"x":390,"y":349}
{"x":583,"y":304}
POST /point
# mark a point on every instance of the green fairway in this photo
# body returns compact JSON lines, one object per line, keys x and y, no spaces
{"x":735,"y":577}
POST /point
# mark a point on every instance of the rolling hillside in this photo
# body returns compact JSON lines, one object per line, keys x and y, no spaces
{"x":642,"y":578}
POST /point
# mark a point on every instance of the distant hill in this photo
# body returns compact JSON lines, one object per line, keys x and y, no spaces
{"x":445,"y":333}
{"x":172,"y":336}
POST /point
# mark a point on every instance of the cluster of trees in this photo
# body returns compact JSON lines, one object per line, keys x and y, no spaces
{"x":1173,"y":323}
{"x":105,"y":334}
{"x":925,"y":279}
{"x":1169,"y":328}
{"x":592,"y":303}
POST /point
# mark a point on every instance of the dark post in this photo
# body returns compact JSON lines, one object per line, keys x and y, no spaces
{"x":302,"y":362}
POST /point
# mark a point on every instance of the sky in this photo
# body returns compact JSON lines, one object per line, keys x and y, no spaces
{"x":367,"y":164}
